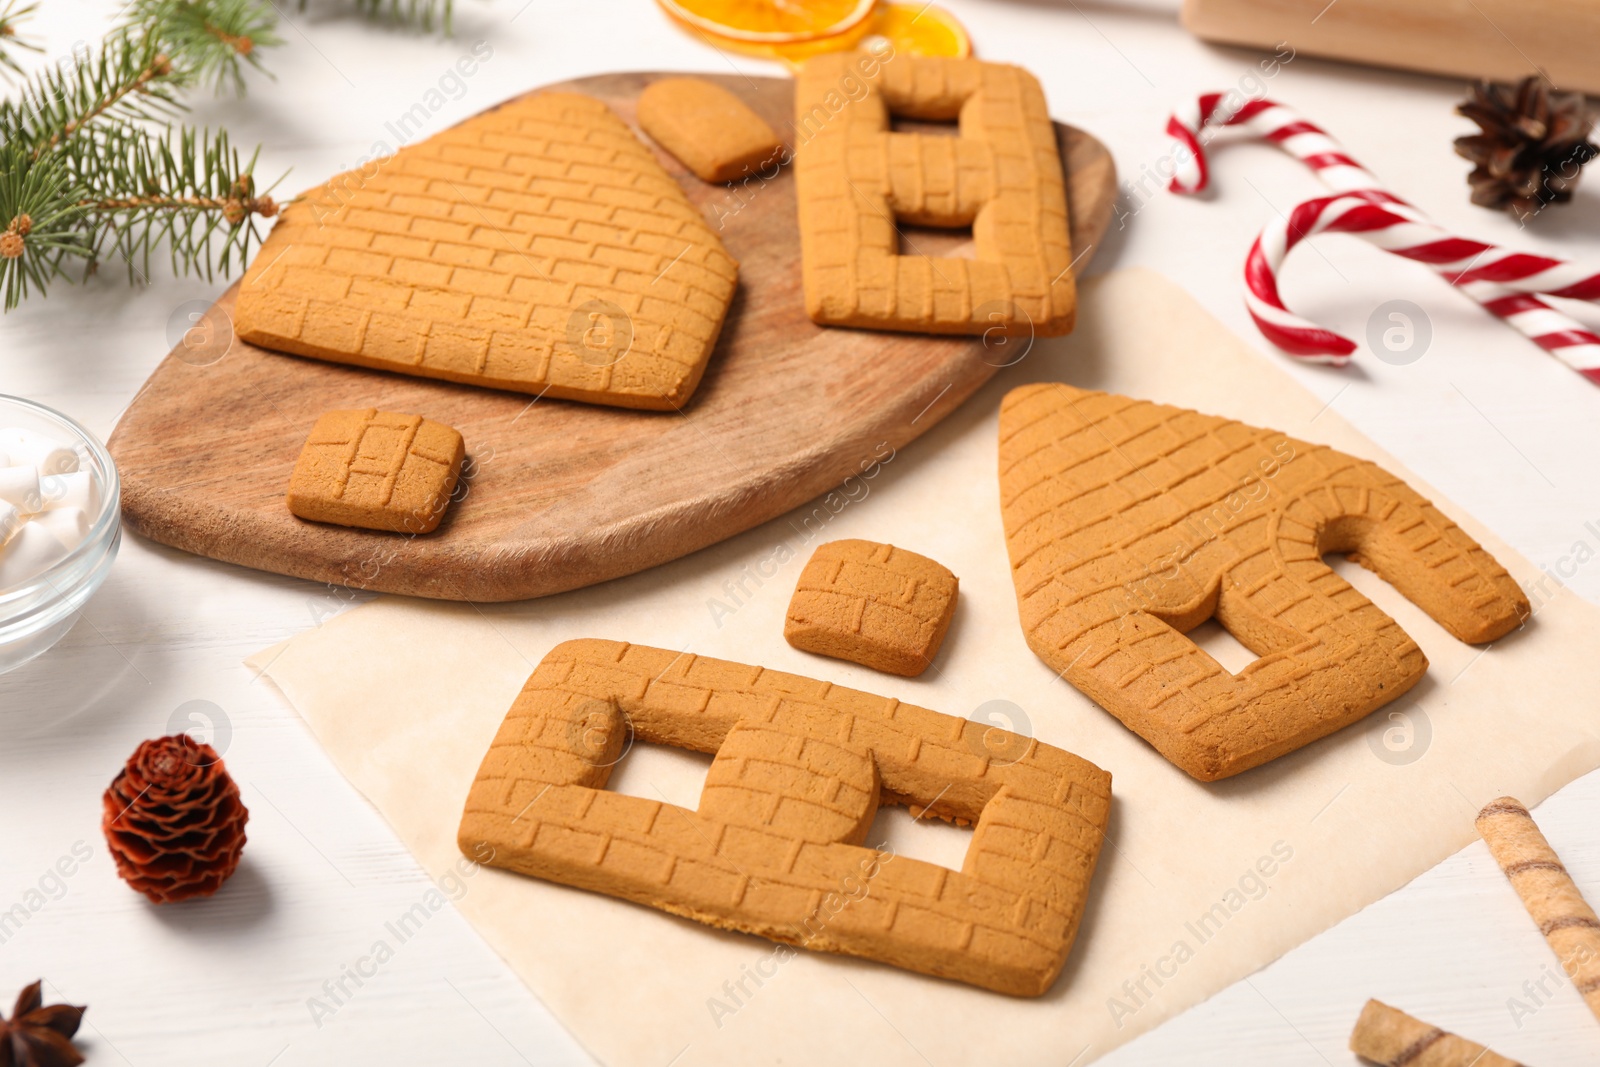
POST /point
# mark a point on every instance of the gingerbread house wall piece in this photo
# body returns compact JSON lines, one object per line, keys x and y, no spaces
{"x":539,"y":247}
{"x":856,"y":178}
{"x":776,"y":846}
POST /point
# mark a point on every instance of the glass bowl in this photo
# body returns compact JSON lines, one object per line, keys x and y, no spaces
{"x":37,"y":613}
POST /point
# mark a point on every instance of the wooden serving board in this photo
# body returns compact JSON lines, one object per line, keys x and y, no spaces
{"x":559,"y":494}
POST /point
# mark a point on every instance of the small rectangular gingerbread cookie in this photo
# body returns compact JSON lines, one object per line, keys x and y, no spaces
{"x":378,"y":470}
{"x":707,"y":128}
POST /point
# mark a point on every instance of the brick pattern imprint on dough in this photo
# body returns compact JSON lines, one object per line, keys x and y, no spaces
{"x":872,"y":604}
{"x":800,"y":769}
{"x":1002,"y":174}
{"x":539,"y":247}
{"x":1130,"y":523}
{"x":376,"y":469}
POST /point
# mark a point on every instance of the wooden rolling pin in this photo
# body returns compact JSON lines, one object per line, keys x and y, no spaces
{"x":1503,"y":40}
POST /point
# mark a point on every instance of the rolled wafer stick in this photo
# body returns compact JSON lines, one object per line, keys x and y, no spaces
{"x":1392,"y":1038}
{"x":1547,"y":891}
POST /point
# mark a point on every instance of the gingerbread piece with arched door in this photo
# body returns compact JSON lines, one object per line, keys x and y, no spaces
{"x":1129,"y":523}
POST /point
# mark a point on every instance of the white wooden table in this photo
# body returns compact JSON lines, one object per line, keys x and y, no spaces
{"x":1497,"y":426}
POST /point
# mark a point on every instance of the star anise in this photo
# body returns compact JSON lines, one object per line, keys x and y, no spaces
{"x":37,"y":1036}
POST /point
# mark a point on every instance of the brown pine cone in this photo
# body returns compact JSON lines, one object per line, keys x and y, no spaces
{"x":174,"y":821}
{"x":1532,"y":144}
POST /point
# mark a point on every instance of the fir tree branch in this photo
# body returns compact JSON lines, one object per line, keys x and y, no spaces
{"x":158,"y":67}
{"x":40,"y":217}
{"x":84,"y":176}
{"x":214,"y":39}
{"x":423,"y":13}
{"x":187,"y":189}
{"x":127,"y":80}
{"x":11,"y":16}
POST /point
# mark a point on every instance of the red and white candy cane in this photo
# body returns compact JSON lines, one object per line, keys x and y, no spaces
{"x":1503,"y":281}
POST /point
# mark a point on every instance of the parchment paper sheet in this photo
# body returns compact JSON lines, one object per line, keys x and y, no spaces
{"x":1198,"y":886}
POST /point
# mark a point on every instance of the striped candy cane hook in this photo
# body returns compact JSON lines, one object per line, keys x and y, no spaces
{"x":1501,"y":280}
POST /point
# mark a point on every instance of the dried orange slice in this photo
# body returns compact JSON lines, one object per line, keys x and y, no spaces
{"x":917,"y":30}
{"x":770,"y":21}
{"x":909,"y":29}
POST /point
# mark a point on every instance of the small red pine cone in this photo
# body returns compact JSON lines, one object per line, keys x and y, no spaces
{"x":174,"y":821}
{"x":12,"y":245}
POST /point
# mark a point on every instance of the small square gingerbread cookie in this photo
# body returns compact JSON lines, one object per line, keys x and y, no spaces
{"x":379,"y":470}
{"x":872,"y":604}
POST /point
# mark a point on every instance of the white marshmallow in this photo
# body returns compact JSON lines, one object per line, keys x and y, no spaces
{"x":67,"y":525}
{"x":68,"y":491}
{"x":47,"y":455}
{"x":27,"y":555}
{"x":11,"y":520}
{"x":20,"y":486}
